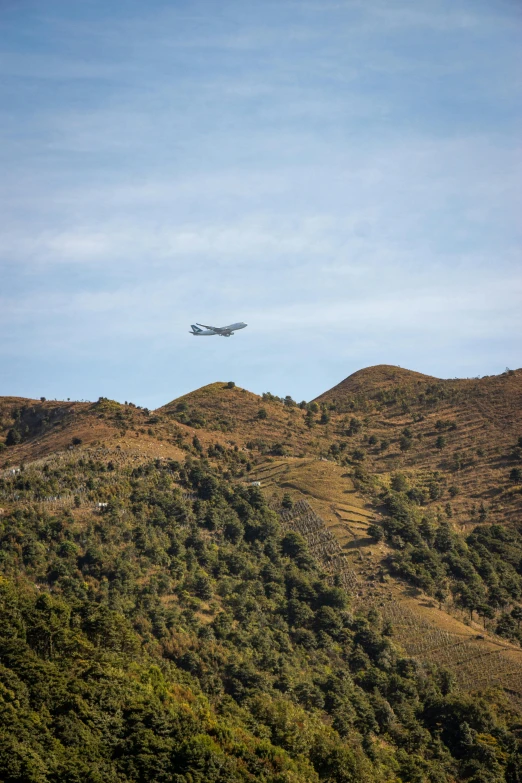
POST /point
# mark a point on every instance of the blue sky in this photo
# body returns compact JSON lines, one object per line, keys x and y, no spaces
{"x":343,"y":175}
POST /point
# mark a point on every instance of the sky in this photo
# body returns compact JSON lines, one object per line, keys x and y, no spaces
{"x":343,"y":175}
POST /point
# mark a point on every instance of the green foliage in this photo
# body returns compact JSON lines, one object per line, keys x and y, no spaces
{"x":440,"y":443}
{"x":376,"y":532}
{"x":484,"y":571}
{"x":13,"y":437}
{"x":405,"y":443}
{"x":287,"y":501}
{"x":185,"y":637}
{"x":399,"y":482}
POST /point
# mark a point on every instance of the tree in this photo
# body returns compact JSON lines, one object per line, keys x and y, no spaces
{"x":405,"y":443}
{"x":444,"y":538}
{"x":440,"y":443}
{"x":516,"y":614}
{"x":516,"y":475}
{"x":469,"y":598}
{"x":203,"y":586}
{"x":293,"y":545}
{"x":498,"y":598}
{"x":441,"y":594}
{"x":13,"y":437}
{"x":376,"y":532}
{"x":231,"y":385}
{"x":457,"y":460}
{"x":262,"y":413}
{"x":354,"y":427}
{"x":486,"y":612}
{"x":399,"y":483}
{"x":309,"y":419}
{"x":287,"y":501}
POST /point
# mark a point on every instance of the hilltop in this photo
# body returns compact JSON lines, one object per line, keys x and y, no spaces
{"x":454,"y":441}
{"x":372,"y":381}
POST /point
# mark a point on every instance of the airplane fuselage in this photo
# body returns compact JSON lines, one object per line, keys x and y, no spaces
{"x":200,"y":330}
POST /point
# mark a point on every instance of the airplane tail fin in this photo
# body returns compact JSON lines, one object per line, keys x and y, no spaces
{"x":195,"y":329}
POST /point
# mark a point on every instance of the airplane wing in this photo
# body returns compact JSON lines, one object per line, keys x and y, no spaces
{"x":214,"y":328}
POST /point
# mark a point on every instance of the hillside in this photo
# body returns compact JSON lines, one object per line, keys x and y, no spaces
{"x":461,"y":435}
{"x":374,"y":381}
{"x":210,"y":597}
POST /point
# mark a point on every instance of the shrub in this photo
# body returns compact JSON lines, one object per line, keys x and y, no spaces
{"x":516,"y":475}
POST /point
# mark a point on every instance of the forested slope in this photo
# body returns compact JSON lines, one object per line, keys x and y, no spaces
{"x":182,"y":634}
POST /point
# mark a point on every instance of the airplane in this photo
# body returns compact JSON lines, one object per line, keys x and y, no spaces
{"x":200,"y":330}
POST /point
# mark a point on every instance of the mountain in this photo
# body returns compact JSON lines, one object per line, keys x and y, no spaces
{"x":239,"y":587}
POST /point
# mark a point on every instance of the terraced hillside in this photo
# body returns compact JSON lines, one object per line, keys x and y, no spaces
{"x":475,"y":657}
{"x":456,"y":441}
